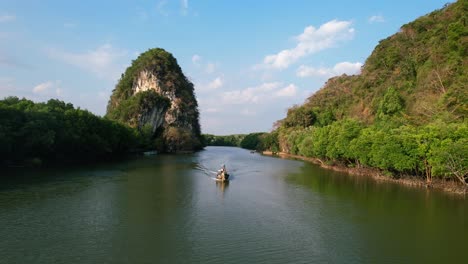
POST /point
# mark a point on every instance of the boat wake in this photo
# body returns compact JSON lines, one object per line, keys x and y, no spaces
{"x":205,"y":170}
{"x":210,"y":173}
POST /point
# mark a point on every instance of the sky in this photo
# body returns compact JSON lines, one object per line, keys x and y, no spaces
{"x":249,"y":60}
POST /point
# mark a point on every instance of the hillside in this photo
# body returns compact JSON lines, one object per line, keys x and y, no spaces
{"x":154,"y":96}
{"x":404,"y":114}
{"x":425,"y":63}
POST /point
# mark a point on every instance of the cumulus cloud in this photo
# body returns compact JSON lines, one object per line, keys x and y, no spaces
{"x":101,"y":61}
{"x":49,"y":87}
{"x":376,"y":19}
{"x":210,"y":86}
{"x":287,"y":91}
{"x":264,"y":92}
{"x":7,"y":18}
{"x":312,"y":40}
{"x":42,"y":87}
{"x":215,"y":84}
{"x":345,"y":67}
{"x":206,"y":66}
{"x":250,"y":94}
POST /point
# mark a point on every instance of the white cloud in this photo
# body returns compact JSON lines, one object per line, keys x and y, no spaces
{"x":347,"y":68}
{"x":48,"y":88}
{"x":339,"y":69}
{"x":215,"y":84}
{"x":101,"y":61}
{"x":43,"y":87}
{"x":184,"y":6}
{"x":7,"y":18}
{"x":210,"y":86}
{"x":207,"y":66}
{"x":312,"y":40}
{"x":196,"y":59}
{"x":257,"y":94}
{"x":376,"y":19}
{"x":287,"y":91}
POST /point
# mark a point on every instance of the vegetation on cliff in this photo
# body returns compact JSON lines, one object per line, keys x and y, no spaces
{"x":404,"y":114}
{"x":165,"y":89}
{"x":129,"y":111}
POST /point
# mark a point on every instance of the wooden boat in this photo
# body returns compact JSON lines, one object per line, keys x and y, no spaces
{"x":222,"y":176}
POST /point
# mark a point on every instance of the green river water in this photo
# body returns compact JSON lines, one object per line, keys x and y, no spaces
{"x":169,"y":209}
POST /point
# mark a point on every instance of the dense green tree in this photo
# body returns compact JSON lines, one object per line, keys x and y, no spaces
{"x":57,"y":131}
{"x":252,"y":141}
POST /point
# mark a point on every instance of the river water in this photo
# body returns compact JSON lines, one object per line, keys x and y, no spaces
{"x":169,"y":209}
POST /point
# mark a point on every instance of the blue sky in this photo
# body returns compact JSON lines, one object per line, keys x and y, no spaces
{"x":249,"y":60}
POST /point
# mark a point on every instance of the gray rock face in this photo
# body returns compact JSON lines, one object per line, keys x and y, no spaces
{"x":157,"y":117}
{"x":139,"y":100}
{"x":154,"y":117}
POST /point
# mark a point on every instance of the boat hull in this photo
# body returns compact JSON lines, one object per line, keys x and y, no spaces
{"x":223,"y":177}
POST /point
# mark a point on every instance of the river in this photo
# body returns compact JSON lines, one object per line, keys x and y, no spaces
{"x":169,"y":209}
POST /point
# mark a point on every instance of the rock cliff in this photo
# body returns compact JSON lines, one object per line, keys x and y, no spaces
{"x":154,"y":94}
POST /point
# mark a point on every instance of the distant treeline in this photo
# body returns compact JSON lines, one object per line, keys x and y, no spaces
{"x":55,"y":131}
{"x":251,"y":141}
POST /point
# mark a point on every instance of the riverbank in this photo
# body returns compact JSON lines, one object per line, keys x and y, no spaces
{"x":437,"y":184}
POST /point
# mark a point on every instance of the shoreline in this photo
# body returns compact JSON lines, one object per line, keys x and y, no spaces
{"x":450,"y":187}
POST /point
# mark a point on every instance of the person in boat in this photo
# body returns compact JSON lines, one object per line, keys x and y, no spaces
{"x":222,"y":171}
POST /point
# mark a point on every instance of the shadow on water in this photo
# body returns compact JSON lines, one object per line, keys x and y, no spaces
{"x":391,"y":219}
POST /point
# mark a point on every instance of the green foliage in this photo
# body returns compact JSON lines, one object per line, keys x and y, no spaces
{"x":450,"y":159}
{"x":156,"y":60}
{"x":128,"y":111}
{"x":424,"y":65}
{"x":269,"y":141}
{"x":404,"y":114}
{"x":299,"y":116}
{"x":133,"y":109}
{"x":229,"y":140}
{"x":178,"y":139}
{"x":391,"y":104}
{"x":340,"y":136}
{"x":252,"y":141}
{"x":57,"y":131}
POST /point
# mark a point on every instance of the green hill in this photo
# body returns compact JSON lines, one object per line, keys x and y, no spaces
{"x":154,"y":96}
{"x":425,"y":63}
{"x":404,"y":114}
